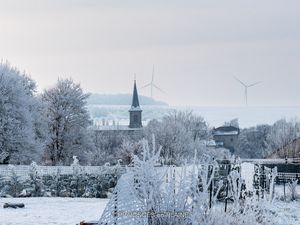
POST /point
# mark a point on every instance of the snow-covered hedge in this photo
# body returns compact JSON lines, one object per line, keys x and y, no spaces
{"x":78,"y":183}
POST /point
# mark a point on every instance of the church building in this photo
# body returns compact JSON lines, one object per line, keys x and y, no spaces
{"x":135,"y":112}
{"x":134,"y":127}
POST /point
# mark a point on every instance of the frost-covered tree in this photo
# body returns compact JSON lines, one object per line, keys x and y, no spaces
{"x":127,"y":151}
{"x":253,"y":142}
{"x":282,"y":133}
{"x":179,"y":134}
{"x":21,"y":126}
{"x":68,"y":123}
{"x":107,"y":148}
{"x":233,"y":122}
{"x":265,"y":140}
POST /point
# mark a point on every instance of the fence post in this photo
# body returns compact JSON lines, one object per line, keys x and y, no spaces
{"x":115,"y":207}
{"x":210,"y":185}
{"x":263,"y":182}
{"x":227,"y":187}
{"x":284,"y":186}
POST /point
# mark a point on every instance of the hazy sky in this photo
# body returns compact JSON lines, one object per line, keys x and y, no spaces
{"x":196,"y":46}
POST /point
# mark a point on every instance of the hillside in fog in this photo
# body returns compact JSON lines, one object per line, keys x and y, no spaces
{"x":121,"y":99}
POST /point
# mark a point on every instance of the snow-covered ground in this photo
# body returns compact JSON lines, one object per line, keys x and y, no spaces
{"x":286,"y":213}
{"x":52,"y":211}
{"x":70,"y":211}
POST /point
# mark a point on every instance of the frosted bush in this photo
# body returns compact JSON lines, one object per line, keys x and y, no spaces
{"x":12,"y":183}
{"x":35,"y":180}
{"x":292,"y":186}
{"x":186,"y":195}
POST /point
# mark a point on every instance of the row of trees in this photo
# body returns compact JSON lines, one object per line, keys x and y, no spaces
{"x":179,"y":134}
{"x":262,"y":140}
{"x":49,"y":127}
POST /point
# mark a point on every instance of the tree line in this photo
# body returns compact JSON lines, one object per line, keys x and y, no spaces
{"x":53,"y":126}
{"x":49,"y":127}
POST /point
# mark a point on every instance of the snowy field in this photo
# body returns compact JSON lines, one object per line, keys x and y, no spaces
{"x":52,"y":211}
{"x":70,"y":211}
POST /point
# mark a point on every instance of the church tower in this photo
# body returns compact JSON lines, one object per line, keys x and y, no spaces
{"x":135,"y":112}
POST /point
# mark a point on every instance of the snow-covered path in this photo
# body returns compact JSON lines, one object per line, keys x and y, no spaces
{"x":52,"y":211}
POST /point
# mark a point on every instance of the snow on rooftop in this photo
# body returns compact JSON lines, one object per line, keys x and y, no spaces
{"x":225,"y":133}
{"x":137,"y":108}
{"x":115,"y":127}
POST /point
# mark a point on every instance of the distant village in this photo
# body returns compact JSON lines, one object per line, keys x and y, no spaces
{"x":286,"y":158}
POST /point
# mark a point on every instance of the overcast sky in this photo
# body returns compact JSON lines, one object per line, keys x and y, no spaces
{"x":196,"y":46}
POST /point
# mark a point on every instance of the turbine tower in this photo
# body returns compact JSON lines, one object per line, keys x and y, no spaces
{"x":152,"y":84}
{"x":246,"y":86}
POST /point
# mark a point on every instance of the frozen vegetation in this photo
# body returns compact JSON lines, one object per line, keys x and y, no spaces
{"x":148,"y":194}
{"x":75,"y":181}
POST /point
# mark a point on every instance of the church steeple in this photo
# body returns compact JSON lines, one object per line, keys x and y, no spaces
{"x":135,"y":112}
{"x":135,"y":97}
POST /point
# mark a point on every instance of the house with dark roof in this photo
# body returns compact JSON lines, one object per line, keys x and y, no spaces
{"x":226,"y":136}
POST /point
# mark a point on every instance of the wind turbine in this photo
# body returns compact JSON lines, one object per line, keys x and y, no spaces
{"x":246,"y":86}
{"x":152,"y":84}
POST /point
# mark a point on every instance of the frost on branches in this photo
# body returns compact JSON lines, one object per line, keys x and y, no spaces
{"x":68,"y":122}
{"x":153,"y":194}
{"x":21,"y":122}
{"x":293,"y":189}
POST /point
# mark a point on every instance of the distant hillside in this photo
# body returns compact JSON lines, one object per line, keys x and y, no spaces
{"x":120,"y":99}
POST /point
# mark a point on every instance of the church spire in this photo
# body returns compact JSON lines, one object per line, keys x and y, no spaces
{"x":135,"y":112}
{"x":135,"y":97}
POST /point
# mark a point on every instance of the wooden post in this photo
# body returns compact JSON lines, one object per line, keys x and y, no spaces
{"x":263,"y":182}
{"x":284,"y":177}
{"x":271,"y":188}
{"x":284,"y":186}
{"x":210,"y":186}
{"x":227,"y":187}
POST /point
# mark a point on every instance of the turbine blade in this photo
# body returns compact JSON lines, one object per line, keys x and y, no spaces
{"x":147,"y":85}
{"x":158,"y":88}
{"x":251,"y":85}
{"x":242,"y":83}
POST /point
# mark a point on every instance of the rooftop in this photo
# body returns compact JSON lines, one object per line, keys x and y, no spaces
{"x":226,"y":130}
